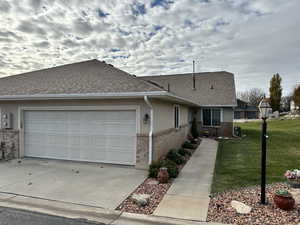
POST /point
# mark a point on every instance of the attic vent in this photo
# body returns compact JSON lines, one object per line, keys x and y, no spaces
{"x":211,"y":87}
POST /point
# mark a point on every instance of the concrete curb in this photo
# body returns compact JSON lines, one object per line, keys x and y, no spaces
{"x":55,"y":208}
{"x":95,"y":214}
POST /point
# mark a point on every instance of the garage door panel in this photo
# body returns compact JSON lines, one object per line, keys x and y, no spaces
{"x":99,"y":136}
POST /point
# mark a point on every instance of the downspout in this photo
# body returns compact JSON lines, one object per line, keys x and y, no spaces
{"x":151,"y":129}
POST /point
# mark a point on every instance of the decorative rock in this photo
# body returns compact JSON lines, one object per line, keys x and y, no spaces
{"x":240,"y":207}
{"x":153,"y":182}
{"x":296,"y":195}
{"x":141,"y":199}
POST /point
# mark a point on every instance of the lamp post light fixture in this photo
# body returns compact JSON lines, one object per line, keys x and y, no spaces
{"x":264,"y":108}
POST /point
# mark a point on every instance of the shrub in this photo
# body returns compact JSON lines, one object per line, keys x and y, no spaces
{"x":154,"y":168}
{"x":194,"y":142}
{"x":175,"y":156}
{"x":194,"y":129}
{"x":184,"y":152}
{"x":188,"y":145}
{"x":172,"y":168}
{"x":170,"y":165}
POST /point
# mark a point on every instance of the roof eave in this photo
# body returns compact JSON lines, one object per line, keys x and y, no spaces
{"x":111,"y":95}
{"x":229,"y":105}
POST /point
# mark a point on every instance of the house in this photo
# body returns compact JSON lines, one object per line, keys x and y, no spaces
{"x":214,"y":94}
{"x":245,"y":111}
{"x":293,"y":107}
{"x":92,"y":111}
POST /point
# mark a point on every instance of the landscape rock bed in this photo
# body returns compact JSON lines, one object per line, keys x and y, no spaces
{"x":221,"y":211}
{"x":154,"y":189}
{"x":149,"y":186}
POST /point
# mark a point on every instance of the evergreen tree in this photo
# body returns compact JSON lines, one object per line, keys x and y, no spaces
{"x":275,"y":92}
{"x":194,"y":129}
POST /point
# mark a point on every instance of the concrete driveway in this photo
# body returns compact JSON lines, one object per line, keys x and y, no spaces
{"x":97,"y":185}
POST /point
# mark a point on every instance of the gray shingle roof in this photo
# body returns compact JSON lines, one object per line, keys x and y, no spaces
{"x":90,"y":76}
{"x":212,"y":88}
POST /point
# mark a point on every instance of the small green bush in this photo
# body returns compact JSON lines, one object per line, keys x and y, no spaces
{"x":172,"y":168}
{"x":154,"y":168}
{"x":184,"y":152}
{"x":188,"y":145}
{"x":169,"y":164}
{"x":175,"y":156}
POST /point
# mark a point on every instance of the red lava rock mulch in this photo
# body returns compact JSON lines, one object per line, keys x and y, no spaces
{"x":157,"y":192}
{"x":221,"y":211}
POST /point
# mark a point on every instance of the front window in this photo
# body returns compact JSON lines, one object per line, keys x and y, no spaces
{"x":211,"y":117}
{"x":176,"y":116}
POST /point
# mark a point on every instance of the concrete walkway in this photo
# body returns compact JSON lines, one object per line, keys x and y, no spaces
{"x":188,"y":197}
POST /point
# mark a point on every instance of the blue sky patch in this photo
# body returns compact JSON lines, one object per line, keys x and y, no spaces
{"x":115,"y":50}
{"x":163,"y":3}
{"x":138,"y":9}
{"x":157,"y":27}
{"x":101,"y":13}
{"x":120,"y":56}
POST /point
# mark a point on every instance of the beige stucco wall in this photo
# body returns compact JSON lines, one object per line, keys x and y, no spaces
{"x":164,"y":115}
{"x":227,"y":114}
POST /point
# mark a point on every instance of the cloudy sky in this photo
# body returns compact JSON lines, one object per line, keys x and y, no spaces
{"x":251,"y":38}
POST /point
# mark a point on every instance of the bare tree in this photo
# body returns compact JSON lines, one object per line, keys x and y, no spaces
{"x":252,"y":96}
{"x":286,"y":103}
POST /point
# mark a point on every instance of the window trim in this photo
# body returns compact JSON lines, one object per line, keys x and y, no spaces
{"x":221,"y":117}
{"x":178,"y":116}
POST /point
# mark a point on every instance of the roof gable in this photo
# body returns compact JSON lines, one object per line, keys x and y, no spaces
{"x":90,"y":76}
{"x":211,"y":88}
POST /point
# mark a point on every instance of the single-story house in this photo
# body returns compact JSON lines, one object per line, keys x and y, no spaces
{"x":293,"y":107}
{"x":244,"y":110}
{"x":92,"y":111}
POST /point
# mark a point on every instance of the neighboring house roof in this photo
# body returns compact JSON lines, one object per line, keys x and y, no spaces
{"x":88,"y":79}
{"x":212,"y":88}
{"x":245,"y":106}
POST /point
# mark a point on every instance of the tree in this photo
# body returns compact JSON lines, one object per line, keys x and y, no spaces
{"x":286,"y":103}
{"x":296,"y":96}
{"x":252,"y":96}
{"x":275,"y":92}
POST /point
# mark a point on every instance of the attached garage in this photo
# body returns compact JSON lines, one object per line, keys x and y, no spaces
{"x":82,"y":135}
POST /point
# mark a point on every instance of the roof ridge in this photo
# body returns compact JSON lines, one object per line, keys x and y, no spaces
{"x":137,"y":78}
{"x":50,"y":68}
{"x":186,"y":74}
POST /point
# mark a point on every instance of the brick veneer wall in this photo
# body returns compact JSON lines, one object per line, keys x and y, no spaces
{"x":142,"y":151}
{"x":9,"y":140}
{"x":165,"y":140}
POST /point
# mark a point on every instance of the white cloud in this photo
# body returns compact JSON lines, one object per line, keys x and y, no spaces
{"x":253,"y":39}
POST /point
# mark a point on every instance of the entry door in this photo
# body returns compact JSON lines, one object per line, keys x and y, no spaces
{"x":95,"y":136}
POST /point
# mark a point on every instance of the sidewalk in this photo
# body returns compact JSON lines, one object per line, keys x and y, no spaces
{"x":185,"y":203}
{"x":188,"y":197}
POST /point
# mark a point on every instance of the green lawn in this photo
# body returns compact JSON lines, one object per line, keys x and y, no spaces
{"x":238,"y":161}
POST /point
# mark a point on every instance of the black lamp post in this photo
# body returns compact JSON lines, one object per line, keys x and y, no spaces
{"x":264,"y":108}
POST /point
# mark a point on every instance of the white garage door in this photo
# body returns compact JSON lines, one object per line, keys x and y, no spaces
{"x":96,"y":136}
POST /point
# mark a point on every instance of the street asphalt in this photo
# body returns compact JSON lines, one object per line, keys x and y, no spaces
{"x":10,"y":216}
